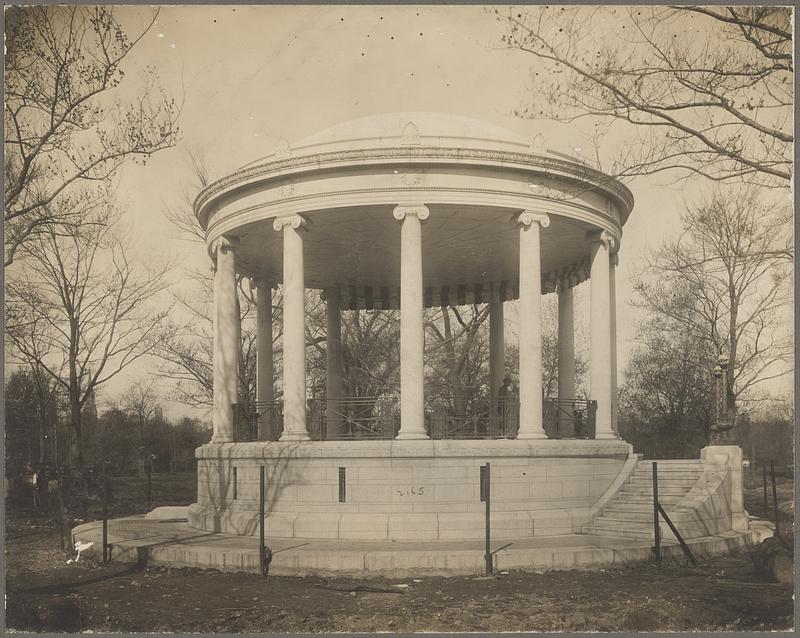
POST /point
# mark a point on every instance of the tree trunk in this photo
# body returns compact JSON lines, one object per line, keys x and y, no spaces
{"x":75,"y":447}
{"x":42,"y":428}
{"x":452,"y":372}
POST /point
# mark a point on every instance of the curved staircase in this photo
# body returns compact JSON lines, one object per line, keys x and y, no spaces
{"x":630,"y":513}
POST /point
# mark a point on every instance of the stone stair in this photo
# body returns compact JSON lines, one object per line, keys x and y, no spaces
{"x":630,"y":513}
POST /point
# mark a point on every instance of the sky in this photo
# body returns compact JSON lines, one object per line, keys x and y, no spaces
{"x":248,"y":76}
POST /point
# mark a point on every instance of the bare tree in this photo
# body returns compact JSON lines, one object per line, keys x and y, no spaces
{"x":666,"y":402}
{"x":371,"y":341}
{"x":723,"y":284}
{"x":187,"y":347}
{"x":702,"y":90}
{"x":182,"y":216}
{"x":140,"y":401}
{"x":66,"y":121}
{"x":458,"y":354}
{"x":81,"y":310}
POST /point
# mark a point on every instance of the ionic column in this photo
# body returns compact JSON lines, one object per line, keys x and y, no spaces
{"x":412,"y":335}
{"x":294,"y":338}
{"x":496,"y":351}
{"x":612,"y":281}
{"x":530,"y":325}
{"x":600,"y":332}
{"x":264,"y":363}
{"x":334,"y":361}
{"x":227,"y":328}
{"x":566,"y":359}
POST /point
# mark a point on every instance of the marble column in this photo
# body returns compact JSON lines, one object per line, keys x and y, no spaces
{"x":566,"y":360}
{"x":264,"y":363}
{"x":294,"y":338}
{"x":600,"y":243}
{"x":334,"y":363}
{"x":227,"y":329}
{"x":412,"y":335}
{"x":530,"y":325}
{"x":612,"y":280}
{"x":497,"y":354}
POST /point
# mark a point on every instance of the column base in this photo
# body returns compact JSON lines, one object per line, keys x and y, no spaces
{"x":221,"y":439}
{"x":412,"y":436}
{"x":566,"y":430}
{"x":740,"y":521}
{"x":529,"y":436}
{"x":607,"y":436}
{"x":291,"y":436}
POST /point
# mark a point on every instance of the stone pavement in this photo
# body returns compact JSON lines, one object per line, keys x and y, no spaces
{"x":172,"y":542}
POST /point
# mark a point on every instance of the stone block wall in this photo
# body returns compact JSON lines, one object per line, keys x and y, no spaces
{"x":414,"y":490}
{"x":715,"y":504}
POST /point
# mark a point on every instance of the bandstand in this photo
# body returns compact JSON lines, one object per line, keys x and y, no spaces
{"x":411,"y":211}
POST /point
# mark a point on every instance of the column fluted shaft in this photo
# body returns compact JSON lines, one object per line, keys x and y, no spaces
{"x":600,"y":334}
{"x":412,"y":336}
{"x":497,"y":353}
{"x":265,"y":393}
{"x":334,"y":363}
{"x":530,"y":325}
{"x":227,"y":328}
{"x":566,"y":360}
{"x":612,"y":276}
{"x":294,"y":338}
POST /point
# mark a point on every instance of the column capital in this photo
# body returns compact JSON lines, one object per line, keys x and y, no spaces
{"x":602,"y":237}
{"x":267,"y":281}
{"x":224,"y":244}
{"x":325,"y":293}
{"x":420,"y":212}
{"x":528,"y":217}
{"x":290,"y":221}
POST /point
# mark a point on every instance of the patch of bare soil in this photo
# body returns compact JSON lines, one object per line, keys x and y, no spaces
{"x":46,"y":594}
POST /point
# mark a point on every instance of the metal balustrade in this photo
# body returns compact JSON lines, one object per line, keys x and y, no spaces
{"x":472,"y":417}
{"x":446,"y":417}
{"x":247,"y":416}
{"x":354,"y":418}
{"x":569,"y":418}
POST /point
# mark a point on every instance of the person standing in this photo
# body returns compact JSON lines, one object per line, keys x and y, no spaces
{"x":36,"y":487}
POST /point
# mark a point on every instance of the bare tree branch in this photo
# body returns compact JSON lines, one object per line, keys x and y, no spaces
{"x":65,"y":123}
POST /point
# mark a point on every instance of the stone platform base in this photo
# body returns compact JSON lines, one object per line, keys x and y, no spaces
{"x":155,"y":542}
{"x":406,"y":490}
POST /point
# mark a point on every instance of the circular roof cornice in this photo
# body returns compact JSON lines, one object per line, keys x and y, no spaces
{"x":437,"y":154}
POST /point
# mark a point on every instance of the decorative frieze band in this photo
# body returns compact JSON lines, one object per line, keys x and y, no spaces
{"x":284,"y":161}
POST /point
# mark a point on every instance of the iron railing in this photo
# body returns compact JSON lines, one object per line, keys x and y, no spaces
{"x":258,"y":421}
{"x":354,"y":418}
{"x":446,"y":417}
{"x":472,"y":417}
{"x":569,"y":418}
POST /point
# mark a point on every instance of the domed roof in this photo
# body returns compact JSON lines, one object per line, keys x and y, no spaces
{"x":396,"y":126}
{"x":415,"y":128}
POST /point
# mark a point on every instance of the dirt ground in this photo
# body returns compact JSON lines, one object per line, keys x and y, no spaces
{"x":46,"y":594}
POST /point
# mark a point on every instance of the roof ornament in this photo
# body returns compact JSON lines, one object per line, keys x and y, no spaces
{"x":410,"y":134}
{"x":537,"y":144}
{"x":282,"y":149}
